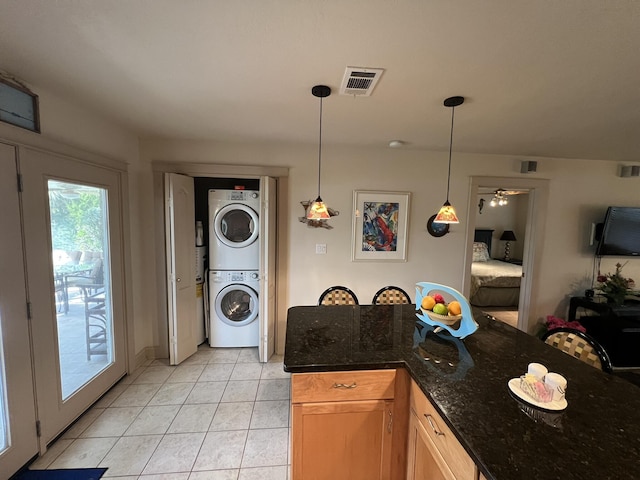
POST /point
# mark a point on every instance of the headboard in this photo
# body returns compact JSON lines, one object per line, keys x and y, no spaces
{"x":485,"y":236}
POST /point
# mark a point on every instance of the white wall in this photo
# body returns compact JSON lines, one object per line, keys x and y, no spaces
{"x":580,"y":191}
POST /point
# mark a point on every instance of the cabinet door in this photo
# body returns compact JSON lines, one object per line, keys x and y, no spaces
{"x":342,"y":440}
{"x":423,"y":460}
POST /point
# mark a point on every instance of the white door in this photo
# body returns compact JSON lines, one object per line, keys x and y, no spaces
{"x":18,"y":439}
{"x":181,"y":266}
{"x":266,"y":345}
{"x":73,"y":234}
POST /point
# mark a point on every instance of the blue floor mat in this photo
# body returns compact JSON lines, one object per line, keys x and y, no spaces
{"x":61,"y":474}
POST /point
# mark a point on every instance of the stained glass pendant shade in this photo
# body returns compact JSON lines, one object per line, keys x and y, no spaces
{"x":447,"y":213}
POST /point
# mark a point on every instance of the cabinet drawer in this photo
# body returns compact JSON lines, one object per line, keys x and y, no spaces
{"x":341,"y":386}
{"x":453,"y":454}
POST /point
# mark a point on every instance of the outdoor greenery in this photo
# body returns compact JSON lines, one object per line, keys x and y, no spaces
{"x":76,"y":220}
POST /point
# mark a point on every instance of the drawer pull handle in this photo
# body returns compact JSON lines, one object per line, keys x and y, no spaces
{"x":431,"y":424}
{"x":344,"y":385}
{"x":390,"y":424}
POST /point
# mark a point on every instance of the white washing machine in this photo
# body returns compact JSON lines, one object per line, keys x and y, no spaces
{"x":234,"y":225}
{"x":234,"y":305}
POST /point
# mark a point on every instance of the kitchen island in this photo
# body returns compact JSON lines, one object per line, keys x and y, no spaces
{"x":596,"y":436}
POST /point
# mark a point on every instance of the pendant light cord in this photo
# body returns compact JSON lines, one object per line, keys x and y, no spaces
{"x":320,"y":148}
{"x":453,"y":109}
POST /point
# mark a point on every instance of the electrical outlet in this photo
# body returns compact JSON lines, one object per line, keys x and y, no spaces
{"x":321,"y":248}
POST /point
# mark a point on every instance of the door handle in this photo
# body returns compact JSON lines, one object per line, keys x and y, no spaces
{"x":178,"y":279}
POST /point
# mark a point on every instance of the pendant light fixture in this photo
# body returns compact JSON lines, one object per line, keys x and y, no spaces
{"x":318,"y":210}
{"x":447,"y":213}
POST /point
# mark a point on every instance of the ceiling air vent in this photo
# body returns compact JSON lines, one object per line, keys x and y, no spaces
{"x":360,"y":81}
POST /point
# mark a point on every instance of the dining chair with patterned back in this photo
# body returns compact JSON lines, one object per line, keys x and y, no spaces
{"x":390,"y":295}
{"x":338,"y":295}
{"x":579,"y":345}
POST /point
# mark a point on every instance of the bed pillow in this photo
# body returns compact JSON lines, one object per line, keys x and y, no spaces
{"x":480,"y":252}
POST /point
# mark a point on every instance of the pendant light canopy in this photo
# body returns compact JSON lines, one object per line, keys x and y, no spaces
{"x":447,"y":213}
{"x":318,"y":210}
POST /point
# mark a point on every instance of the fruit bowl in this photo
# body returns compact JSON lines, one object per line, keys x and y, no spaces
{"x":446,"y":319}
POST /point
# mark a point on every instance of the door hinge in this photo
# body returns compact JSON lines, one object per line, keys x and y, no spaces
{"x":29,"y":310}
{"x":19,"y":182}
{"x":38,"y":429}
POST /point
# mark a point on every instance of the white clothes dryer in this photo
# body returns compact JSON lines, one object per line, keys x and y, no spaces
{"x":234,"y":308}
{"x":234,"y":225}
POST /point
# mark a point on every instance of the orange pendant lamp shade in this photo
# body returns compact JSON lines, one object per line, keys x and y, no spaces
{"x":318,"y":210}
{"x":447,"y":213}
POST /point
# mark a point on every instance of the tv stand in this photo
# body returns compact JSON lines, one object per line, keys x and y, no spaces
{"x":616,"y":327}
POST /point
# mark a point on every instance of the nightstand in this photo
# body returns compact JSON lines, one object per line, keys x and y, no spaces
{"x":515,"y":261}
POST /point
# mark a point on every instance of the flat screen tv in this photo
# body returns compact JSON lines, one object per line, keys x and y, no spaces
{"x":620,"y":232}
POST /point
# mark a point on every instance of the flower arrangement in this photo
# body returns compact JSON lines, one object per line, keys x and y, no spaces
{"x":614,"y":286}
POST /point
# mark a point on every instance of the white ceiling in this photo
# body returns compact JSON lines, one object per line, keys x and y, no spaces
{"x":542,"y":78}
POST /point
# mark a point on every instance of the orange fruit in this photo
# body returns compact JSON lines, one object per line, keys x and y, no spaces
{"x":454,"y":308}
{"x":428,"y":302}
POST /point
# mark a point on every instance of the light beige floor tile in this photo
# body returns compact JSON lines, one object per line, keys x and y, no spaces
{"x":232,"y":416}
{"x":266,"y":447}
{"x":274,"y":370}
{"x":84,"y":453}
{"x":225,"y":355}
{"x":216,"y":372}
{"x":130,"y":454}
{"x":53,"y":452}
{"x":263,"y":473}
{"x":108,"y":398}
{"x":215,"y":475}
{"x":206,"y":392}
{"x":186,"y":373}
{"x":240,"y":391}
{"x":155,"y":374}
{"x":246,"y":371}
{"x":113,"y":422}
{"x":159,"y":362}
{"x":193,"y":418}
{"x":136,"y":395}
{"x":201,"y":357}
{"x":82,"y":423}
{"x":276,"y":389}
{"x":221,"y":450}
{"x":270,"y":414}
{"x":165,"y":476}
{"x":153,"y":420}
{"x":249,"y":355}
{"x":176,"y":453}
{"x":172,"y":394}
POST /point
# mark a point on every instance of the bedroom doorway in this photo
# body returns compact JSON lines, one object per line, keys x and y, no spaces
{"x":506,"y":284}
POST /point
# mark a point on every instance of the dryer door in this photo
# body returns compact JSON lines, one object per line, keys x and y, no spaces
{"x":236,"y":225}
{"x":237,"y":305}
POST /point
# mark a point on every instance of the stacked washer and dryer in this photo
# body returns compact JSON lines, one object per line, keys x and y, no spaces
{"x":234,"y":268}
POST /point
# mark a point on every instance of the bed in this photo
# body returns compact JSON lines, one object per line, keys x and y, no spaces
{"x":494,"y":283}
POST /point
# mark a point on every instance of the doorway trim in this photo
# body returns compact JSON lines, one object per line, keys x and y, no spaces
{"x":281,"y":174}
{"x":533,"y":242}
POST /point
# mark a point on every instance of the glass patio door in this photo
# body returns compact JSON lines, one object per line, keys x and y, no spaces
{"x":73,"y":236}
{"x":18,"y":439}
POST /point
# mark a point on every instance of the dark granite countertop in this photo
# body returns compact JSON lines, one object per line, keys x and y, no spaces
{"x":597,"y":436}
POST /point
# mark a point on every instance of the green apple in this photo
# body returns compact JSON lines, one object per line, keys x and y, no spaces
{"x":440,"y":309}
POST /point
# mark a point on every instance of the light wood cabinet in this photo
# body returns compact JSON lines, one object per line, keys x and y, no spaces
{"x":343,"y":425}
{"x":433,"y":452}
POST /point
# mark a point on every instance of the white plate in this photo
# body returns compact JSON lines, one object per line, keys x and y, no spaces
{"x":554,"y":406}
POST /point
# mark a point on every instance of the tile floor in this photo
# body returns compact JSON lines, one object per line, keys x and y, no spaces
{"x":220,"y":415}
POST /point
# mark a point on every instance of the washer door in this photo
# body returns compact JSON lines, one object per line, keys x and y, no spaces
{"x":236,"y":225}
{"x":237,"y":305}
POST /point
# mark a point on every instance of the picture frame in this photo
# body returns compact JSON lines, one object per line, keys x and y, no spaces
{"x":380,"y":226}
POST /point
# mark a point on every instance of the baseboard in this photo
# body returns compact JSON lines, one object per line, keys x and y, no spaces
{"x":143,"y":356}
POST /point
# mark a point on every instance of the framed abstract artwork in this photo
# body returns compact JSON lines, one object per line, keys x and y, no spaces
{"x":380,"y":226}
